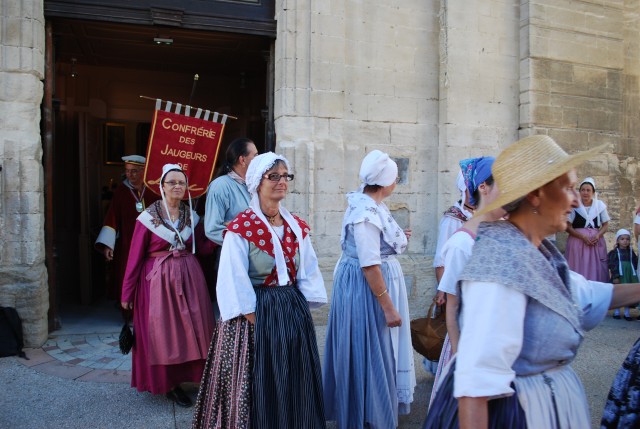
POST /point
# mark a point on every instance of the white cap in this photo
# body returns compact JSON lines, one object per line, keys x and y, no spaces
{"x":622,"y":232}
{"x":260,"y":165}
{"x":590,"y":181}
{"x":378,"y":168}
{"x":134,"y":159}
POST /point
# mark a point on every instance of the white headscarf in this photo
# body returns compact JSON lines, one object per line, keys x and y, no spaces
{"x":378,"y":168}
{"x":595,"y":209}
{"x":166,"y":169}
{"x":622,"y":232}
{"x":618,"y":234}
{"x":258,"y":166}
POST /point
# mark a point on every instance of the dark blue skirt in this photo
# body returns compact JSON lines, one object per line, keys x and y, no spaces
{"x":622,"y":410}
{"x":443,"y":414}
{"x":287,"y":381}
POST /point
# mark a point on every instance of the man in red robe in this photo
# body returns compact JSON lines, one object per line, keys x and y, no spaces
{"x":130,"y":198}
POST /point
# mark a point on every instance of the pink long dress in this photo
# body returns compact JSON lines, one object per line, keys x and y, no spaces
{"x":173,"y":325}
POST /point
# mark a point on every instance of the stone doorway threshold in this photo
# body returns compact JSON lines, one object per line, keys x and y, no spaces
{"x":85,"y":348}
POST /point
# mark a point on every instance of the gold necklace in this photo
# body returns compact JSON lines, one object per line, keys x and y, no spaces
{"x":272,"y":219}
{"x":174,"y":218}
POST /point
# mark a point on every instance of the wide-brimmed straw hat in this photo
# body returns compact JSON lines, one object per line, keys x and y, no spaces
{"x":530,"y":163}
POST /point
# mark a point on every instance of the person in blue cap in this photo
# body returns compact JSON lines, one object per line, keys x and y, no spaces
{"x":457,"y":249}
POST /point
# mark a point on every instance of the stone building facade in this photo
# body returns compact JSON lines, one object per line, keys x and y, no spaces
{"x":429,"y":82}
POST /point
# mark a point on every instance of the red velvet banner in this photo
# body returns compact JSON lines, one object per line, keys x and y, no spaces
{"x":192,"y":143}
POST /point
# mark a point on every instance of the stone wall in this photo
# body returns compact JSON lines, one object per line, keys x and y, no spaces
{"x":628,"y":152}
{"x":478,"y":84}
{"x":428,"y":82}
{"x":23,"y":276}
{"x":352,"y":77}
{"x":579,"y":84}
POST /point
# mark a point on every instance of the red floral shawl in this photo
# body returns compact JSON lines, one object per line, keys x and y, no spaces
{"x":250,"y":227}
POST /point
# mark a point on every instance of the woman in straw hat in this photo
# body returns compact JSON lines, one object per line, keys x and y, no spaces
{"x":263,"y":369}
{"x":368,"y":371}
{"x":165,"y":287}
{"x":523,"y":312}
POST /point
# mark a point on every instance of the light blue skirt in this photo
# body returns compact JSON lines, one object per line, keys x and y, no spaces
{"x":360,"y":376}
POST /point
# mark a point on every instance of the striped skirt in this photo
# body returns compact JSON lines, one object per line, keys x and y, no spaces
{"x":553,"y":399}
{"x":445,"y":357}
{"x":368,"y":370}
{"x":267,"y":375}
{"x":443,"y":413}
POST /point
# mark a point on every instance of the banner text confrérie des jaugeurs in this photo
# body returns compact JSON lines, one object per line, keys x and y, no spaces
{"x":168,"y":124}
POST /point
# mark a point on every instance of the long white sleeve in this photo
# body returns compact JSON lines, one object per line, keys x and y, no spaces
{"x":492,"y":329}
{"x":367,"y":238}
{"x":594,"y":298}
{"x":312,"y":287}
{"x":456,"y":253}
{"x":448,"y":226}
{"x":234,"y":289}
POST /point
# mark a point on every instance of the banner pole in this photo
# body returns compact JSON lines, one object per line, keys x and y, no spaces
{"x":193,"y":88}
{"x":154,"y":99}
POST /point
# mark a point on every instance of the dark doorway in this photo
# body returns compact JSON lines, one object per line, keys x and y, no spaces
{"x":100,"y":69}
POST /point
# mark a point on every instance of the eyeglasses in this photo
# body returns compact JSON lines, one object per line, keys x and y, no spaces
{"x":275,"y":177}
{"x":174,"y":184}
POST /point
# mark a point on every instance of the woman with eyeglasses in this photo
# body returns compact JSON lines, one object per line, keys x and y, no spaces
{"x":368,"y":371}
{"x":165,"y":287}
{"x":263,"y":369}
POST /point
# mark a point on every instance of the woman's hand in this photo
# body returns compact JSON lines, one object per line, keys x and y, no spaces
{"x":251,"y":317}
{"x":440,"y":298}
{"x":392,"y":316}
{"x":451,"y":317}
{"x":586,"y":240}
{"x":107,"y":252}
{"x":373,"y":274}
{"x":126,"y":305}
{"x":407,"y":232}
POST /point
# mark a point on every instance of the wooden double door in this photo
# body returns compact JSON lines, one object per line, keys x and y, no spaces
{"x":96,"y":71}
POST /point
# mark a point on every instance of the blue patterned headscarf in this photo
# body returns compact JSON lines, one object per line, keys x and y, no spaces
{"x":476,"y":171}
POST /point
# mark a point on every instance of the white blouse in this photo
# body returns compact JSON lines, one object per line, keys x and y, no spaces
{"x":234,"y":289}
{"x":495,"y":311}
{"x":367,"y":238}
{"x":602,"y":212}
{"x":448,"y":226}
{"x":456,"y":252}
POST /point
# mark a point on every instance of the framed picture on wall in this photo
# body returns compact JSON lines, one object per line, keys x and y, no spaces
{"x":114,"y":142}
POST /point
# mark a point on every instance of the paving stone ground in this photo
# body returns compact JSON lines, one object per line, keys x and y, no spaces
{"x":79,"y":378}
